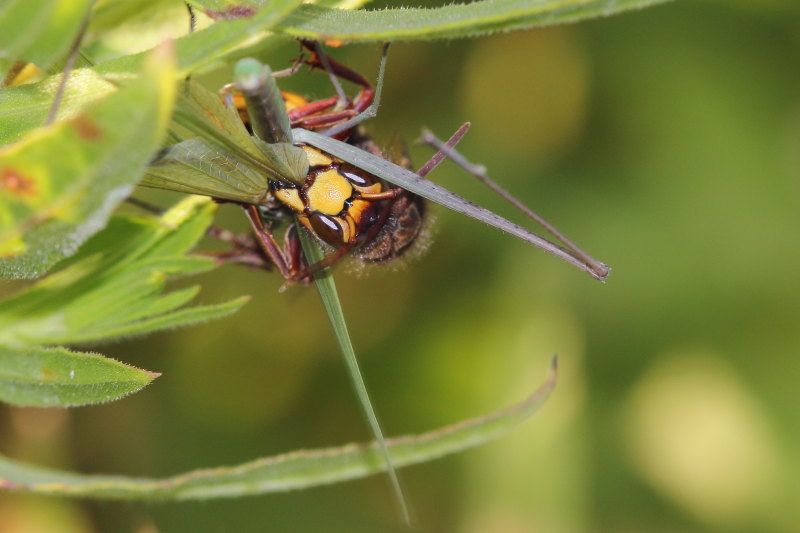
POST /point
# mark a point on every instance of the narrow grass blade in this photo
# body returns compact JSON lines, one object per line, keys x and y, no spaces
{"x":55,"y":377}
{"x":290,"y":471}
{"x":330,"y":300}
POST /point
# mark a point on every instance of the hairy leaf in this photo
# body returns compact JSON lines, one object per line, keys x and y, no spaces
{"x":291,"y":471}
{"x":59,"y":184}
{"x":229,"y":39}
{"x":447,"y":22}
{"x":38,"y":31}
{"x":113,"y":287}
{"x":56,"y":377}
{"x":25,"y":107}
{"x":205,"y":47}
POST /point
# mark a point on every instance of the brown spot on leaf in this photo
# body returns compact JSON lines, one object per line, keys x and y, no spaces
{"x":87,"y":128}
{"x":232,"y":13}
{"x":17,"y":183}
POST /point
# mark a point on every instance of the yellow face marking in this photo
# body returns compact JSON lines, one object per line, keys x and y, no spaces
{"x":329,"y":192}
{"x":291,"y":198}
{"x":315,"y":157}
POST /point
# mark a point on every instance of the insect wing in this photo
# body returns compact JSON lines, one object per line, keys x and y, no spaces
{"x":202,"y":113}
{"x":433,"y":192}
{"x":197,"y":167}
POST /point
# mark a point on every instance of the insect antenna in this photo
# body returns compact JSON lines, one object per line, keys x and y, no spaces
{"x":479,"y":172}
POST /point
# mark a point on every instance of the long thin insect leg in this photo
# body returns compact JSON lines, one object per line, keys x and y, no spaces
{"x":73,"y":54}
{"x":268,"y":243}
{"x":334,"y":80}
{"x":372,"y":110}
{"x":226,"y":235}
{"x":192,"y":17}
{"x":479,"y":172}
{"x":192,"y":26}
{"x":244,"y":250}
{"x":333,"y":67}
{"x":440,"y":155}
{"x":291,"y":71}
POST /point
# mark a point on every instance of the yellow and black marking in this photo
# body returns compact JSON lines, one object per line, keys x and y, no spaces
{"x":337,"y":201}
{"x":329,"y":203}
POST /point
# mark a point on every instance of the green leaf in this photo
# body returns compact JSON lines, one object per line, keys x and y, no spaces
{"x":291,"y":471}
{"x":202,"y":113}
{"x":113,"y":287}
{"x":205,"y":47}
{"x":446,"y":22}
{"x":38,"y":31}
{"x":56,"y":377}
{"x":59,"y":184}
{"x":228,"y":9}
{"x":232,"y":39}
{"x":25,"y":107}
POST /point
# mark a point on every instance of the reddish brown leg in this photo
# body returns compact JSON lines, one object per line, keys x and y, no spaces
{"x":326,"y":120}
{"x":302,"y":116}
{"x":440,"y":155}
{"x":270,"y":246}
{"x":367,"y":93}
{"x":300,"y":112}
{"x":294,"y":252}
{"x":244,"y":251}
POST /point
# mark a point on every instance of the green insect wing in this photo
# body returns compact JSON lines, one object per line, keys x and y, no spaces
{"x":224,"y":160}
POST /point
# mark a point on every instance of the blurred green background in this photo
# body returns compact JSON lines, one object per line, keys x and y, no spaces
{"x":667,"y":143}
